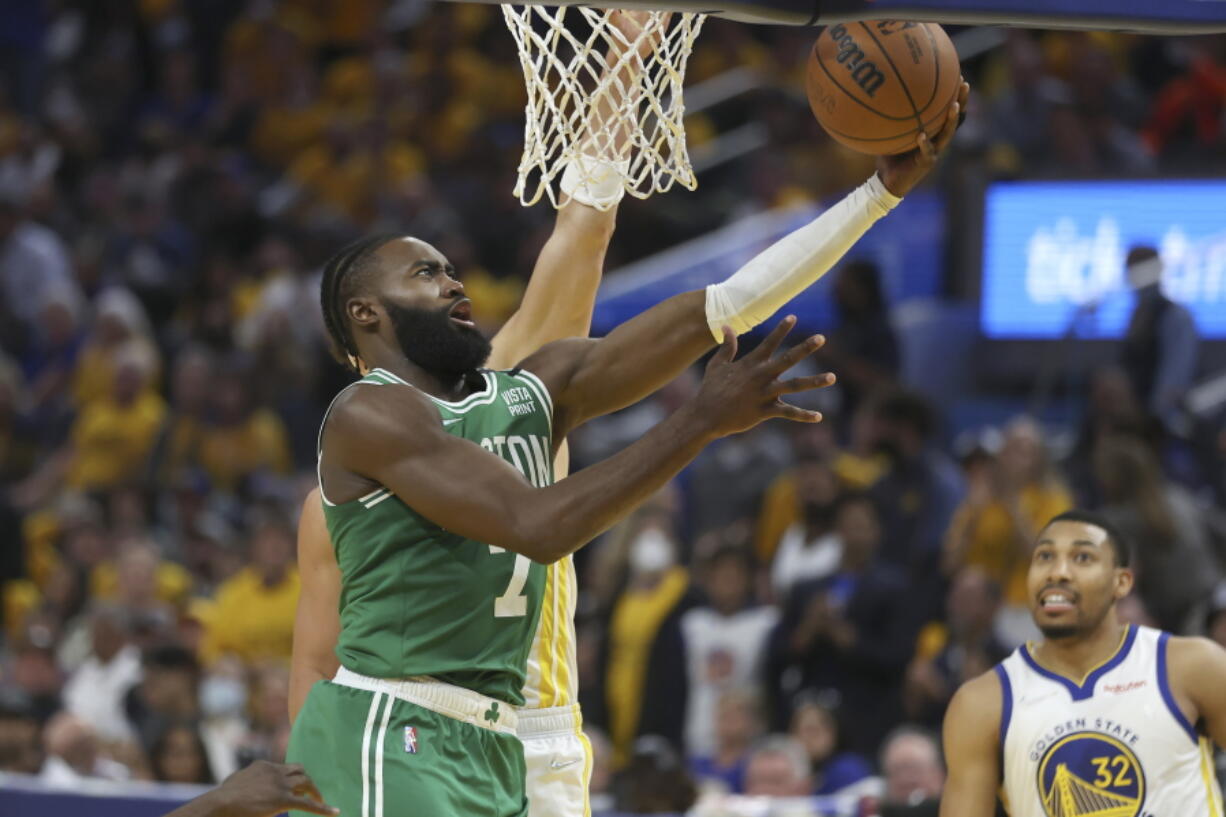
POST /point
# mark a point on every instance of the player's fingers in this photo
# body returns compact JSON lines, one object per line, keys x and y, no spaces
{"x":727,"y":349}
{"x":951,"y":125}
{"x":795,"y":413}
{"x":797,"y":353}
{"x":309,"y":805}
{"x":964,"y":93}
{"x":798,"y":384}
{"x":299,"y":783}
{"x":770,"y":344}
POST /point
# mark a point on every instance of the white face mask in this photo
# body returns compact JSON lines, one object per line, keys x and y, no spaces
{"x":222,"y":697}
{"x":651,"y":552}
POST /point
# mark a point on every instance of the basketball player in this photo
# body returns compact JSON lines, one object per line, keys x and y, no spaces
{"x":437,"y":467}
{"x":1098,"y":718}
{"x":557,"y":304}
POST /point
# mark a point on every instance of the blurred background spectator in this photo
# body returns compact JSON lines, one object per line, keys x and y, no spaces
{"x":912,"y":768}
{"x":724,"y":642}
{"x":818,"y":728}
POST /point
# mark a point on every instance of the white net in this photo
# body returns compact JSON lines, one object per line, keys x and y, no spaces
{"x":605,"y":85}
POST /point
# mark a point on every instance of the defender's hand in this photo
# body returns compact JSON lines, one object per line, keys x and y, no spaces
{"x":264,"y":789}
{"x":630,"y":24}
{"x":902,"y":172}
{"x":736,"y":395}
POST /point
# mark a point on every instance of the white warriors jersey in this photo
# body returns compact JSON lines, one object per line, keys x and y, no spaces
{"x":553,"y":674}
{"x":1114,"y":745}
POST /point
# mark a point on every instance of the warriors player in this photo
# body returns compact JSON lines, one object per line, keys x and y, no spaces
{"x":1100,"y":718}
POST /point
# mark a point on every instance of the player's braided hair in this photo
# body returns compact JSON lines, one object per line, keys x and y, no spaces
{"x":343,"y":278}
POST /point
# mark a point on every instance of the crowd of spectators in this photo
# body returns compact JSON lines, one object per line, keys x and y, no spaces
{"x":788,"y":619}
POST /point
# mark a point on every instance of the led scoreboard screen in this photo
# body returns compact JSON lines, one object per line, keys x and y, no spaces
{"x":1053,"y":254}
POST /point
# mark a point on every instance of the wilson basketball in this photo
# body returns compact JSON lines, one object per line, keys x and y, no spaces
{"x":874,"y":85}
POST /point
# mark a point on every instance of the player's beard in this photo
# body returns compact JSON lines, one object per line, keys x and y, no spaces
{"x":434,"y":342}
{"x":1062,"y":632}
{"x":1084,"y":625}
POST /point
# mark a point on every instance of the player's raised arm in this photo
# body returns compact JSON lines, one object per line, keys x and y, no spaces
{"x":469,"y":491}
{"x":971,"y":736}
{"x":561,"y":293}
{"x":649,"y":350}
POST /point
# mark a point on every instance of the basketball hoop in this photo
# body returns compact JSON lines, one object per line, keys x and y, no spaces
{"x":589,"y":115}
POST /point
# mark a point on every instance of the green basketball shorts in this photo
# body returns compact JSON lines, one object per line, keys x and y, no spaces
{"x":388,"y":749}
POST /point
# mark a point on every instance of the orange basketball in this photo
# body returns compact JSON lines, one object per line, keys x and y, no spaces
{"x":874,"y":85}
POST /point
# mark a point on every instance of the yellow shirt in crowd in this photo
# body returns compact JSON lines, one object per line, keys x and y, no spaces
{"x":636,"y":620}
{"x":992,"y":543}
{"x":112,"y":442}
{"x":251,"y":620}
{"x":230,"y":453}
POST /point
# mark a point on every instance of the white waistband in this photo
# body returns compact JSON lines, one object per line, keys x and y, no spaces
{"x":554,"y":720}
{"x":445,"y":699}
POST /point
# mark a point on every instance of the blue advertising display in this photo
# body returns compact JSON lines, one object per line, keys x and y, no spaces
{"x":1053,"y":254}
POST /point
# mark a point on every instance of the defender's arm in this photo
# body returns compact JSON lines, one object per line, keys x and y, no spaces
{"x":317,"y":623}
{"x":561,"y":293}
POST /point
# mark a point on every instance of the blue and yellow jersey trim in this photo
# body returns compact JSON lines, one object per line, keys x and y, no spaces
{"x":1084,"y":688}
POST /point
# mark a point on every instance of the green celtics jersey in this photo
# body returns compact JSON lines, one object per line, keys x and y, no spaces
{"x":419,"y":600}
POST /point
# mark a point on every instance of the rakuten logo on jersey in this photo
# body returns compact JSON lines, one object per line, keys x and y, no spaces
{"x":1127,"y":686}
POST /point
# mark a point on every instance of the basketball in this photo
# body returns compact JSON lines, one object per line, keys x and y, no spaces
{"x":874,"y":85}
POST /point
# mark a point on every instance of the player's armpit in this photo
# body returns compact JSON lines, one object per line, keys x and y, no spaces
{"x":971,"y":735}
{"x":1195,"y":668}
{"x":590,"y":378}
{"x":317,"y":624}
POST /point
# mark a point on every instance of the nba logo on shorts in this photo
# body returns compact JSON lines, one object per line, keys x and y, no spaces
{"x":410,"y":739}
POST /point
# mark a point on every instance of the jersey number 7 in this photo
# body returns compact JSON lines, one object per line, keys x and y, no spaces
{"x":513,"y":603}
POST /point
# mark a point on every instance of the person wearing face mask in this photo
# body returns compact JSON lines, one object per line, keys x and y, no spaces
{"x":223,"y":710}
{"x":644,"y":660}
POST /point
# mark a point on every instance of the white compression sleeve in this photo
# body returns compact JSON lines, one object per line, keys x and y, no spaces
{"x":790,"y":265}
{"x":594,"y":181}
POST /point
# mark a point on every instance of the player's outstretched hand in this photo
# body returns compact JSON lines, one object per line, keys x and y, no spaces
{"x":261,"y":790}
{"x":631,"y":24}
{"x":736,"y":395}
{"x":902,"y":172}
